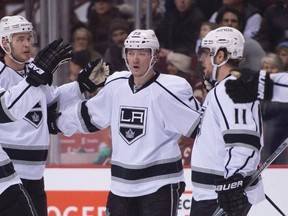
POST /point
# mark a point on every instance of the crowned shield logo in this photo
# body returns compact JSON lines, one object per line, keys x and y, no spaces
{"x":132,"y":123}
{"x":34,"y":117}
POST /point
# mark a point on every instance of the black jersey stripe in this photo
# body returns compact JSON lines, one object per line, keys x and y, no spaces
{"x":27,"y":155}
{"x":173,"y":95}
{"x":222,"y":112}
{"x":209,"y":179}
{"x":280,"y":84}
{"x":86,"y":118}
{"x":156,"y":170}
{"x":3,"y":68}
{"x":4,"y":117}
{"x":6,"y":170}
{"x":26,"y":89}
{"x":247,"y":139}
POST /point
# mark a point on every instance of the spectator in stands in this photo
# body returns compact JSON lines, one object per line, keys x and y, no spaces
{"x":250,"y":14}
{"x":282,"y":52}
{"x":82,"y":40}
{"x":78,"y":61}
{"x":100,"y":15}
{"x":156,"y":16}
{"x":178,"y":31}
{"x":253,"y":52}
{"x":275,"y":119}
{"x":119,"y":31}
{"x":274,"y":26}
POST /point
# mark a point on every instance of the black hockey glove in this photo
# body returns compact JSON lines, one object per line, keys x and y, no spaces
{"x":47,"y":61}
{"x":231,"y":195}
{"x":250,"y":86}
{"x":52,"y":116}
{"x":93,"y":76}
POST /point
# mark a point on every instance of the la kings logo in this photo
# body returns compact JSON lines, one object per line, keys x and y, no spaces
{"x":34,"y":117}
{"x":132,"y":123}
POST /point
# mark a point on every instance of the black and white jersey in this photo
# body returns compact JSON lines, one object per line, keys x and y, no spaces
{"x":145,"y":125}
{"x":229,"y":141}
{"x":280,"y":87}
{"x":23,"y":111}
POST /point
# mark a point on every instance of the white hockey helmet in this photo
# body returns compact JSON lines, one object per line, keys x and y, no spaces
{"x":142,"y":39}
{"x":10,"y":25}
{"x":224,"y":37}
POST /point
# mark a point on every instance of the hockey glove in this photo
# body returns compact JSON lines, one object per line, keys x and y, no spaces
{"x":52,"y":116}
{"x":93,"y":76}
{"x":47,"y":61}
{"x":250,"y":86}
{"x":231,"y":195}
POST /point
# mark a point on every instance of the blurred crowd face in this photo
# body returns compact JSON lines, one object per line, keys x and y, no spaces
{"x":230,"y":19}
{"x":232,"y":2}
{"x":154,"y":5}
{"x":80,"y":40}
{"x":102,"y":7}
{"x":283,"y":54}
{"x":172,"y":69}
{"x":183,"y":5}
{"x":205,"y":28}
{"x":269,"y":67}
{"x":119,"y":37}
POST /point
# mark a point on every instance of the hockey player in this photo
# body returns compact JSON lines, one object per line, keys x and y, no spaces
{"x":15,"y":103}
{"x":226,"y":151}
{"x":26,"y":92}
{"x":147,"y":112}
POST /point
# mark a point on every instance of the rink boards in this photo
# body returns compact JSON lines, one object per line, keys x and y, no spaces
{"x":83,"y":191}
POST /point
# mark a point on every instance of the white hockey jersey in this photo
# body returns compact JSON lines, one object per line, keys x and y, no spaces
{"x":145,"y":127}
{"x":25,"y":136}
{"x":280,"y":87}
{"x":13,"y":107}
{"x":229,"y":141}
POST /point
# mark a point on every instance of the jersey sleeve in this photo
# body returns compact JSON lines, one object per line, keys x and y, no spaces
{"x":178,"y":108}
{"x":241,"y":129}
{"x":87,"y":116}
{"x":64,"y":95}
{"x":18,"y":100}
{"x":280,"y":87}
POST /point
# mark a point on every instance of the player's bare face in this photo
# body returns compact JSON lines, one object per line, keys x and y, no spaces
{"x":205,"y":59}
{"x":21,"y":46}
{"x":138,"y":61}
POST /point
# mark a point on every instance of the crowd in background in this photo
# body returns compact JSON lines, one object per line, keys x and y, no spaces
{"x":180,"y":25}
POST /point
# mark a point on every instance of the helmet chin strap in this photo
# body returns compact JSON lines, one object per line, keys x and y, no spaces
{"x":10,"y":54}
{"x":150,"y":66}
{"x":215,"y":68}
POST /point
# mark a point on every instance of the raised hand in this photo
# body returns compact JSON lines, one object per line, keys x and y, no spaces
{"x":93,"y":76}
{"x":249,"y":86}
{"x":40,"y":71}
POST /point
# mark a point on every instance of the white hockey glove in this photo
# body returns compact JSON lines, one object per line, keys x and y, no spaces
{"x":249,"y":86}
{"x":47,"y":61}
{"x":93,"y":76}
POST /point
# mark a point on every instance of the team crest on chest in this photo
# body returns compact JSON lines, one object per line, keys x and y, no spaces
{"x":34,"y":117}
{"x":132,"y":123}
